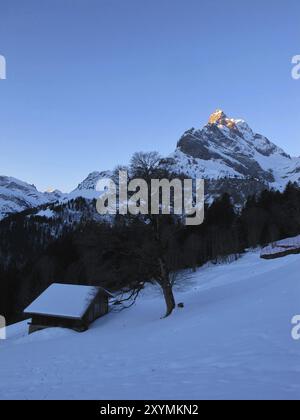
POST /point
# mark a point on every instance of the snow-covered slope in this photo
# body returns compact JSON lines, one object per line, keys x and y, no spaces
{"x":16,"y":196}
{"x":228,"y":147}
{"x":232,"y":340}
{"x":87,"y":188}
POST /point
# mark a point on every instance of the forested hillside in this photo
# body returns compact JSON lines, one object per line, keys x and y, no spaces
{"x":36,"y":251}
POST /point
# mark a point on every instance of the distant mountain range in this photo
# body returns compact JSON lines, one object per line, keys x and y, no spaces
{"x":226,"y":152}
{"x":16,"y":196}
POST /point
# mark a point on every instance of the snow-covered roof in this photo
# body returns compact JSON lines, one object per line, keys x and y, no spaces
{"x":288,"y":245}
{"x":64,"y":300}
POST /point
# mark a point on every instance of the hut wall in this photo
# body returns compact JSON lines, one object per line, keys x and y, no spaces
{"x":98,"y":308}
{"x":44,"y":321}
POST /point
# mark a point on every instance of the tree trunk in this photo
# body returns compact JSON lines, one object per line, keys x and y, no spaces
{"x":169,"y":299}
{"x":167,"y":289}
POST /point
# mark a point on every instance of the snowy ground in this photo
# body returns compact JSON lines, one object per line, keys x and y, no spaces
{"x":231,"y":341}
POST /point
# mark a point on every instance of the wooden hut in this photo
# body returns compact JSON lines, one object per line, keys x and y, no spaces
{"x":68,"y":306}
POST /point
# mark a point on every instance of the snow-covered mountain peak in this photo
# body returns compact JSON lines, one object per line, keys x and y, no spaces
{"x":228,"y":147}
{"x":90,"y":181}
{"x":87,"y":188}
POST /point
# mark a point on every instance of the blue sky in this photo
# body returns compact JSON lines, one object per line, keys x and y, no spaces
{"x":92,"y":81}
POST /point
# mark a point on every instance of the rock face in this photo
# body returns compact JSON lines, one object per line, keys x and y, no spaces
{"x":16,"y":196}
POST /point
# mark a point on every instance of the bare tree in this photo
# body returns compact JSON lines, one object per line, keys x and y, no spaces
{"x":146,"y":166}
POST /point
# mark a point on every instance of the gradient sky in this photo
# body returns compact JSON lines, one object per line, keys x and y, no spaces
{"x":92,"y":81}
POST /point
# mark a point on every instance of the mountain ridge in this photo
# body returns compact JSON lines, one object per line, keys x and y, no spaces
{"x":224,"y":149}
{"x":226,"y":152}
{"x":17,"y":195}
